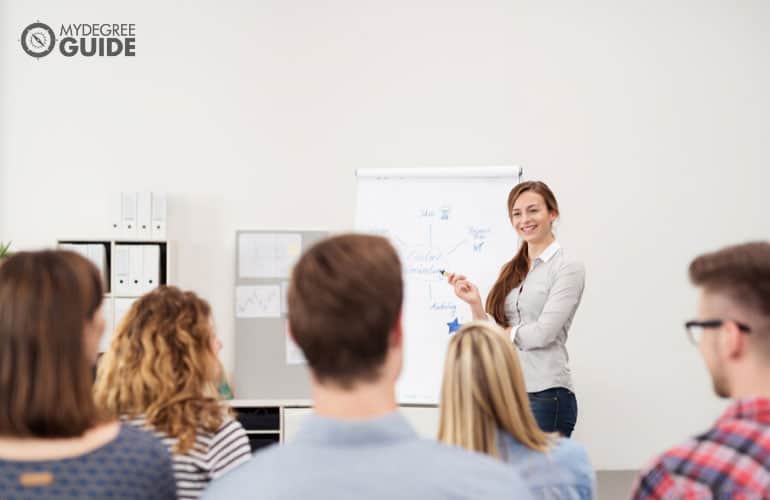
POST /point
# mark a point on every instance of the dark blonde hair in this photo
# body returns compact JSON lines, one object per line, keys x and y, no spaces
{"x":514,"y":272}
{"x":161,"y":366}
{"x":46,"y":300}
{"x":345,"y":298}
{"x":483,"y":392}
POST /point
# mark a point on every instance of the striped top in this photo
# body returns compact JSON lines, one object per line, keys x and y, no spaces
{"x":211,"y":456}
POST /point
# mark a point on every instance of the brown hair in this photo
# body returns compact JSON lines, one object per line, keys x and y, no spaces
{"x":160,"y":366}
{"x":742,"y":272}
{"x":483,"y":392}
{"x":514,"y":272}
{"x":46,"y":300}
{"x":345,"y":298}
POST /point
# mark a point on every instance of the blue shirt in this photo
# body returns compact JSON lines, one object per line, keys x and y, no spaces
{"x":382,"y":458}
{"x":563,"y":472}
{"x":133,"y":465}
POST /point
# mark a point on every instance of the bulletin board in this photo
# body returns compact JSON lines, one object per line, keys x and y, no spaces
{"x":268,"y":365}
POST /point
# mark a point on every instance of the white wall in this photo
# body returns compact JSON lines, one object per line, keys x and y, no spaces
{"x":645,"y":117}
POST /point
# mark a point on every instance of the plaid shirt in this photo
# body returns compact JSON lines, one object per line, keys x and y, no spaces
{"x":731,"y":460}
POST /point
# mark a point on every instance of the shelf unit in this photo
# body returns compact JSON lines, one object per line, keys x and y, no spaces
{"x":116,"y":305}
{"x":263,"y":419}
{"x":270,"y":421}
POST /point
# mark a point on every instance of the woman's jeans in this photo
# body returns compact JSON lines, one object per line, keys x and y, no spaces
{"x":555,"y":410}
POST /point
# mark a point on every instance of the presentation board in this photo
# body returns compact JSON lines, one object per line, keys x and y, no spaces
{"x":452,"y":219}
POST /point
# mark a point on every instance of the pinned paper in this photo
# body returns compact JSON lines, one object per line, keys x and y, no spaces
{"x":268,"y":255}
{"x":285,"y":298}
{"x":259,"y":301}
{"x":294,"y":354}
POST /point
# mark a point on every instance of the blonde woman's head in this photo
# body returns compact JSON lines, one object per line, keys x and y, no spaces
{"x":483,"y":392}
{"x":162,"y":365}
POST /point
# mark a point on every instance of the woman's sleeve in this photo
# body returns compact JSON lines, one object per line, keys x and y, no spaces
{"x":560,"y":306}
{"x":230,"y":449}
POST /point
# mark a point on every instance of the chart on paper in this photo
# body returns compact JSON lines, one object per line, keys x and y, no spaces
{"x":268,"y":255}
{"x":258,"y":301}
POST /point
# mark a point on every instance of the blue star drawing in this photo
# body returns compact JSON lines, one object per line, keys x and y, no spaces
{"x":454,"y":325}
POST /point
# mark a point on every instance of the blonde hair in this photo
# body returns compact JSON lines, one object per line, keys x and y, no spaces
{"x":161,"y":366}
{"x":483,"y":391}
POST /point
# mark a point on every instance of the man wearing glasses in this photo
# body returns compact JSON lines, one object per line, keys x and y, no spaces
{"x":732,"y":333}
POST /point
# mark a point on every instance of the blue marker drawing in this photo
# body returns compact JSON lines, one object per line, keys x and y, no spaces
{"x":454,"y":325}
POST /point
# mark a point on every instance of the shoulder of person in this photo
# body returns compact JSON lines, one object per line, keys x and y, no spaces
{"x":572,"y":455}
{"x":139,"y":438}
{"x":475,"y":468}
{"x":267,"y":463}
{"x":669,"y":460}
{"x":230,"y":424}
{"x":569,"y":264}
{"x":137,"y":434}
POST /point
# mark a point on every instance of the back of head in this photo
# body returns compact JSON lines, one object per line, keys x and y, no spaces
{"x":46,"y":300}
{"x":741,"y":274}
{"x":161,"y":365}
{"x":345,"y":298}
{"x":483,"y":392}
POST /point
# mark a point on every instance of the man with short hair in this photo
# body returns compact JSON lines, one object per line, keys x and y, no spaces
{"x":732,"y":332}
{"x":345,"y":304}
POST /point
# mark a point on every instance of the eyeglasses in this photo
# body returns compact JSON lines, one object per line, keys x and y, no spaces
{"x":696,"y":328}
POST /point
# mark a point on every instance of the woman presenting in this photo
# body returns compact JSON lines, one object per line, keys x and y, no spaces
{"x":535,"y":298}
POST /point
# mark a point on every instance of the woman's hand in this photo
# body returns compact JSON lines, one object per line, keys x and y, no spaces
{"x":464,"y":289}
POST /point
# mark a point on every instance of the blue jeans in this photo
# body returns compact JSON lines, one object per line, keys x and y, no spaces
{"x":555,"y":410}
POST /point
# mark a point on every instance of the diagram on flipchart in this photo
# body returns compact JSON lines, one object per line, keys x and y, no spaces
{"x":456,"y":225}
{"x":442,"y":246}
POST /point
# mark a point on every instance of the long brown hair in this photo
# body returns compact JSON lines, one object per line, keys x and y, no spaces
{"x":514,"y":272}
{"x":160,"y":366}
{"x":483,"y":392}
{"x":46,"y":300}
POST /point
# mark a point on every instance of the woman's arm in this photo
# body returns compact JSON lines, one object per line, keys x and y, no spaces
{"x":560,"y":306}
{"x":468,"y":293}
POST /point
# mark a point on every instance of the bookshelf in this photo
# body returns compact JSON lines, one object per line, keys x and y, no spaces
{"x":122,"y":289}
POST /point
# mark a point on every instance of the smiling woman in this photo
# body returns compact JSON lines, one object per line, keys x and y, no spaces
{"x":535,"y":298}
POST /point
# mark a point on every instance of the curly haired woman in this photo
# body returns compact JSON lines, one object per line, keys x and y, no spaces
{"x":161,"y":373}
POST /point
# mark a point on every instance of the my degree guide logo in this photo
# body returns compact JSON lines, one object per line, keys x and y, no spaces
{"x":83,"y":40}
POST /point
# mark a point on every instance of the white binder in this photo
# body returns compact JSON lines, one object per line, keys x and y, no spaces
{"x":144,"y":215}
{"x":128,"y":214}
{"x":151,"y":267}
{"x":159,"y":216}
{"x":116,"y":215}
{"x":135,"y":269}
{"x":97,"y":253}
{"x":121,"y":264}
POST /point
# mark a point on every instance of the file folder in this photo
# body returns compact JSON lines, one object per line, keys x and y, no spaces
{"x":144,"y":215}
{"x":151,"y":267}
{"x":128,"y":214}
{"x":116,"y":215}
{"x":97,"y":253}
{"x":122,"y":264}
{"x":135,"y":269}
{"x":159,"y":216}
